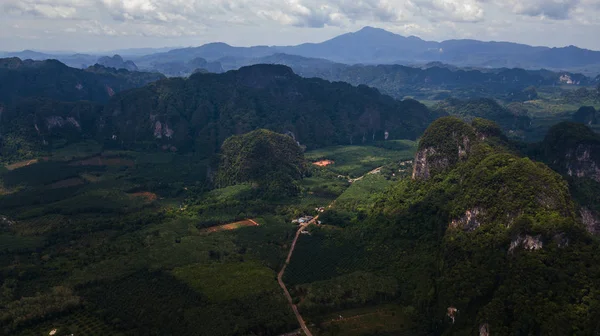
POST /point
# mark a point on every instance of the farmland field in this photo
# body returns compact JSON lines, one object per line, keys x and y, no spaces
{"x":354,"y":161}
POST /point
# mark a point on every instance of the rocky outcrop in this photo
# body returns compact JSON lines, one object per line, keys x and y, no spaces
{"x":484,"y":330}
{"x":591,"y":220}
{"x":430,"y":160}
{"x":161,"y":130}
{"x":117,"y":62}
{"x":470,"y":221}
{"x":451,"y":313}
{"x":573,"y":149}
{"x":446,"y":142}
{"x":58,"y":122}
{"x":421,"y":168}
{"x":580,"y":162}
{"x":5,"y":221}
{"x":527,"y":242}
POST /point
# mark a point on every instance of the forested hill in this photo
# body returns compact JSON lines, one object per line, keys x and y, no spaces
{"x":52,"y":79}
{"x":199,"y":113}
{"x":399,"y":81}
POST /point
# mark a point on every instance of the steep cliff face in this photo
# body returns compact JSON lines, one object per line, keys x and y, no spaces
{"x":205,"y":109}
{"x":591,"y":220}
{"x":573,"y":149}
{"x":447,"y":141}
{"x":582,"y":161}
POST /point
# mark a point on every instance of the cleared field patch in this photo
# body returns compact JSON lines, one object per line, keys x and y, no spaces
{"x":148,"y":196}
{"x":323,"y":163}
{"x":70,"y":182}
{"x":355,"y":161}
{"x":21,"y":164}
{"x":231,"y":226}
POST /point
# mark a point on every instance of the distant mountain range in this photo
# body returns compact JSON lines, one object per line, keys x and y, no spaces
{"x":371,"y":46}
{"x":377,"y":46}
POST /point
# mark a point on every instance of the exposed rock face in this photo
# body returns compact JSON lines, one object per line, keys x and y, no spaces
{"x":527,"y":242}
{"x":56,"y":121}
{"x":451,"y":313}
{"x":470,"y":221}
{"x":446,"y":141}
{"x":573,"y":149}
{"x":484,"y":330}
{"x":5,"y":221}
{"x":427,"y":160}
{"x":161,"y":130}
{"x":581,"y":164}
{"x":423,"y":163}
{"x":591,"y":220}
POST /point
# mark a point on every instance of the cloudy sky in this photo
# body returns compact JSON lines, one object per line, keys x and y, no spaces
{"x":94,"y":25}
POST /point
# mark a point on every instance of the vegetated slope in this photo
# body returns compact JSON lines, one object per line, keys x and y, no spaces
{"x":275,"y":162}
{"x":573,"y":149}
{"x":37,"y":123}
{"x":487,"y":109}
{"x":46,"y":101}
{"x":199,"y":113}
{"x":432,"y":81}
{"x":52,"y":79}
{"x":586,"y":115}
{"x":487,"y":240}
{"x":184,"y":69}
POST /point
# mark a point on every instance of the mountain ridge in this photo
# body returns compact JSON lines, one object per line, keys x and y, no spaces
{"x":371,"y":45}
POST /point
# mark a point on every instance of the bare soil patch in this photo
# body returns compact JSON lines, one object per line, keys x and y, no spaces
{"x":323,"y":163}
{"x":150,"y":197}
{"x":70,"y":182}
{"x":104,"y":161}
{"x":21,"y":164}
{"x":231,"y":226}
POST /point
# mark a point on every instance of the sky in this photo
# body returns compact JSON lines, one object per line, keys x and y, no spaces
{"x":103,"y":25}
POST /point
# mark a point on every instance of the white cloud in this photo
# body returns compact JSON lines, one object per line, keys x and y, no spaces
{"x":246,"y":22}
{"x":451,"y":10}
{"x":553,"y":9}
{"x":47,"y":9}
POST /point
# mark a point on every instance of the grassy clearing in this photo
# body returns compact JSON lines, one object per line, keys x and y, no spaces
{"x":379,"y":320}
{"x":356,"y":161}
{"x":361,"y":192}
{"x":77,"y":150}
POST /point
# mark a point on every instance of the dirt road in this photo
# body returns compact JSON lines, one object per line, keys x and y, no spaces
{"x":282,"y":285}
{"x":289,"y":257}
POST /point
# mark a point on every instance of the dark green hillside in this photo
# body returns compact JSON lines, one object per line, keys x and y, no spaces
{"x":487,"y":109}
{"x":54,"y":80}
{"x":199,"y":113}
{"x":586,"y":115}
{"x":572,"y":149}
{"x":274,"y":162}
{"x":506,"y":239}
{"x":36,"y":124}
